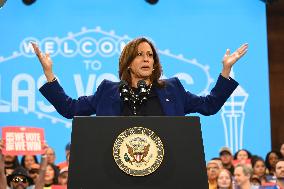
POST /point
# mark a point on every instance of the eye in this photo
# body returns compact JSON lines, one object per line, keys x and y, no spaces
{"x":139,"y":54}
{"x":150,"y":54}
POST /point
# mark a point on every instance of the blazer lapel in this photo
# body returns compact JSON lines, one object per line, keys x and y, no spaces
{"x":116,"y":103}
{"x":167,"y":101}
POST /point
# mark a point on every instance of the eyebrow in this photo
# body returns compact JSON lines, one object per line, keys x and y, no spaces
{"x":144,"y":51}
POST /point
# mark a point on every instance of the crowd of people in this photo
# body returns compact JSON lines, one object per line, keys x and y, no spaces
{"x":30,"y":173}
{"x":241,"y":170}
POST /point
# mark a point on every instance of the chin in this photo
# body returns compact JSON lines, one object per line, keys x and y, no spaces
{"x":145,"y":74}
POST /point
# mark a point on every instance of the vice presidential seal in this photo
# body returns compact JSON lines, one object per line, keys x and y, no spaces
{"x":138,"y":151}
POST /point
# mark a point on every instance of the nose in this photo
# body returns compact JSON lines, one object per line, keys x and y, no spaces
{"x":146,"y":58}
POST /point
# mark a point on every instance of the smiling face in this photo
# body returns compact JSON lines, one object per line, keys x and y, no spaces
{"x":240,"y":177}
{"x":259,"y":168}
{"x":224,"y":179}
{"x":212,"y":171}
{"x":226,"y":158}
{"x":49,"y":175}
{"x":29,"y":160}
{"x":242,"y":155}
{"x":142,"y":65}
{"x":19,"y":182}
{"x":279,"y":170}
{"x":273,"y":158}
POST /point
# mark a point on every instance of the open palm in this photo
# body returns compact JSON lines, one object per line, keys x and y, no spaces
{"x":45,"y":61}
{"x":230,"y":59}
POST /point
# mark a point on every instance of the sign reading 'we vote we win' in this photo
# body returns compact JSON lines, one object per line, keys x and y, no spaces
{"x":22,"y":140}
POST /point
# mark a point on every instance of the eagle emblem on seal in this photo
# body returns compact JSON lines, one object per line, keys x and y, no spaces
{"x":138,"y":151}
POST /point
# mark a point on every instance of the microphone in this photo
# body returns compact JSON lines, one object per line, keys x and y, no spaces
{"x":142,"y":91}
{"x":124,"y":91}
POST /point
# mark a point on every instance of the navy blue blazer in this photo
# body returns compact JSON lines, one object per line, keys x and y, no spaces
{"x":175,"y":101}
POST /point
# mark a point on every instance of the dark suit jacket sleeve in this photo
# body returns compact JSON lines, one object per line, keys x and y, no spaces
{"x":65,"y":105}
{"x":212,"y":103}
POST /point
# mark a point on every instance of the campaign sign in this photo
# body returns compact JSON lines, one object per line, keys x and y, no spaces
{"x":22,"y":140}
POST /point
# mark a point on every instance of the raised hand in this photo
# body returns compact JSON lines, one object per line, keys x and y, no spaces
{"x":1,"y":146}
{"x":45,"y":148}
{"x":230,"y":59}
{"x":3,"y":181}
{"x":45,"y":61}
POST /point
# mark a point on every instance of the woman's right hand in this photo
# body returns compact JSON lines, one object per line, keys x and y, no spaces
{"x":45,"y":61}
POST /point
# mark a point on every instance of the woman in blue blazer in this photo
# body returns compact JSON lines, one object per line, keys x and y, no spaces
{"x":139,"y":61}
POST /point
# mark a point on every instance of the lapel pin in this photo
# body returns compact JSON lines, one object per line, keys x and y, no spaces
{"x":167,"y":100}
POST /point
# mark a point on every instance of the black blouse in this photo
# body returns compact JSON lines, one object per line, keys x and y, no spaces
{"x":150,"y":107}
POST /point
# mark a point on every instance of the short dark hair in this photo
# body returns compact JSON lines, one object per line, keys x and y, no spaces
{"x":248,"y":152}
{"x":267,"y":158}
{"x":281,"y":159}
{"x":255,"y":159}
{"x":24,"y":158}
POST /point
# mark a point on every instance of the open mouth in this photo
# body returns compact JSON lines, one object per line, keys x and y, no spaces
{"x":145,"y":67}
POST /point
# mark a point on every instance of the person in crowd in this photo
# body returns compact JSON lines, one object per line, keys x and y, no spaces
{"x":34,"y":171}
{"x":224,"y":179}
{"x":51,"y":176}
{"x":226,"y":157}
{"x":242,"y":175}
{"x":139,"y":61}
{"x":27,"y":161}
{"x":11,"y":163}
{"x":20,"y":179}
{"x":259,"y":169}
{"x":279,"y":173}
{"x":242,"y":156}
{"x":51,"y":157}
{"x":255,"y":181}
{"x":218,"y":160}
{"x":270,"y":161}
{"x":67,"y":155}
{"x":282,"y":150}
{"x":63,"y":176}
{"x":213,"y":168}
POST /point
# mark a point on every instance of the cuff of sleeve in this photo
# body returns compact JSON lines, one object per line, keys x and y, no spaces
{"x":227,"y":83}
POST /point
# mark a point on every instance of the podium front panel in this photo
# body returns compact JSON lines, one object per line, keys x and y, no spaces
{"x":92,"y":164}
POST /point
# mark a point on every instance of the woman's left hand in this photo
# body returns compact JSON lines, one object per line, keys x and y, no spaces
{"x":230,"y":59}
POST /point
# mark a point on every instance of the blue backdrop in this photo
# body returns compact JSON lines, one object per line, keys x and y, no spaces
{"x":85,"y":39}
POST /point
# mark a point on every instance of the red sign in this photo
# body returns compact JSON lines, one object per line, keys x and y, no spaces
{"x":243,"y":162}
{"x":22,"y":140}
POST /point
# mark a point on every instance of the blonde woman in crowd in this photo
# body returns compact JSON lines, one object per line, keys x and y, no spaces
{"x":224,"y":180}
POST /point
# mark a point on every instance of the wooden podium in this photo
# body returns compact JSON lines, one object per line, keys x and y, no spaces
{"x":92,"y":164}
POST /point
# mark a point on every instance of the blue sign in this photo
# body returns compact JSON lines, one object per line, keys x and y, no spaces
{"x":85,"y":39}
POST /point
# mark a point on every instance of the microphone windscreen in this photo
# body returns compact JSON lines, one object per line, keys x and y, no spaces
{"x":141,"y":83}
